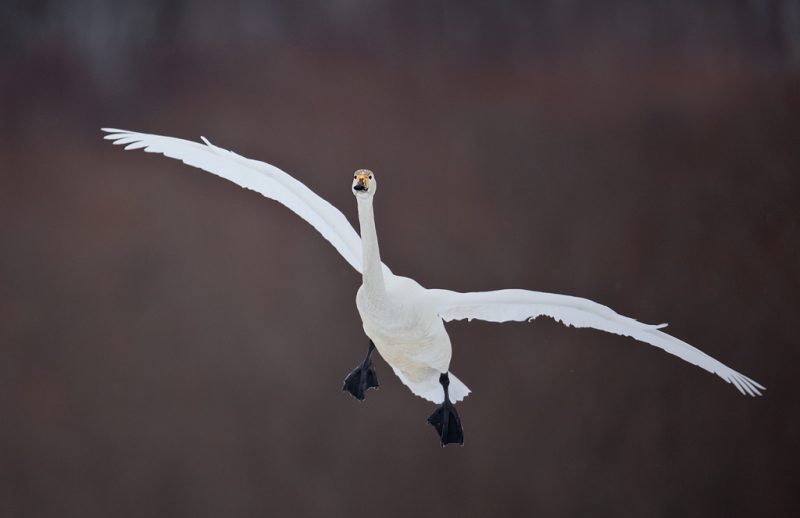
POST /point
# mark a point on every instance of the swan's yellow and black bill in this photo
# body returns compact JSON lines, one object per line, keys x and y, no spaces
{"x":362,"y":177}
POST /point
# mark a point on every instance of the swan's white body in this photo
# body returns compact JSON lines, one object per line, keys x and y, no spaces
{"x":403,"y":319}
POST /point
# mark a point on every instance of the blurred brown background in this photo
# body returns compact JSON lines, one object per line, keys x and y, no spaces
{"x":174,"y":345}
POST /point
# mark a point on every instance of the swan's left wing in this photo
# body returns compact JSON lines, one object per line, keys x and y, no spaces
{"x":519,"y":305}
{"x":258,"y":176}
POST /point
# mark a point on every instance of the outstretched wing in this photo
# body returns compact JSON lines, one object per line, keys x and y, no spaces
{"x":519,"y":305}
{"x":258,"y":176}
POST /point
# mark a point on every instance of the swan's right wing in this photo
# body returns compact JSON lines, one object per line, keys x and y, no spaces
{"x":519,"y":305}
{"x":258,"y":176}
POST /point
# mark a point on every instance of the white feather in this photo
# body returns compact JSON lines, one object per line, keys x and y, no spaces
{"x":519,"y":305}
{"x":258,"y":176}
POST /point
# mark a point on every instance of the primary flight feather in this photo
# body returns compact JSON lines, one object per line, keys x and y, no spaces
{"x":403,"y":320}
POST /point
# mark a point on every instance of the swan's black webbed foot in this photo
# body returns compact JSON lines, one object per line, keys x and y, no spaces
{"x":363,"y":377}
{"x":445,"y":418}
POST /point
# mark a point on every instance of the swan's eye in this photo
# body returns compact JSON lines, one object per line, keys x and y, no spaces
{"x":370,"y":177}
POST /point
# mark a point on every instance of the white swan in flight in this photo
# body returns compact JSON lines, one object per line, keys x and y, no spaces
{"x":403,"y":320}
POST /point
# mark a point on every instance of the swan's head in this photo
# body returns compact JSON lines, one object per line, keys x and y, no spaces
{"x":364,"y":183}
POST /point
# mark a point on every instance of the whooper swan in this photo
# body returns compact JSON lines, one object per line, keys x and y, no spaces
{"x":403,"y":320}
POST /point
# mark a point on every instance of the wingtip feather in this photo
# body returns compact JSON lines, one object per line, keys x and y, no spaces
{"x":744,"y":384}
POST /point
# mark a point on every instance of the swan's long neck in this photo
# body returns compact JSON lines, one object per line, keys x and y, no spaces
{"x":371,"y":257}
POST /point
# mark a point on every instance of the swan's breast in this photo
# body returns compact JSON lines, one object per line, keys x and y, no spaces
{"x":404,"y":326}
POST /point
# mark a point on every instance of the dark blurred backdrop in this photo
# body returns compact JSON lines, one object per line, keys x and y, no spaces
{"x":174,"y":345}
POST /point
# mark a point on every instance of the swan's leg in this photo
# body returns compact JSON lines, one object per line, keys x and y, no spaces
{"x":445,"y":418}
{"x":363,"y":377}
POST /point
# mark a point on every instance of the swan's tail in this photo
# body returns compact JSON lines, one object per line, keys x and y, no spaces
{"x":431,"y":390}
